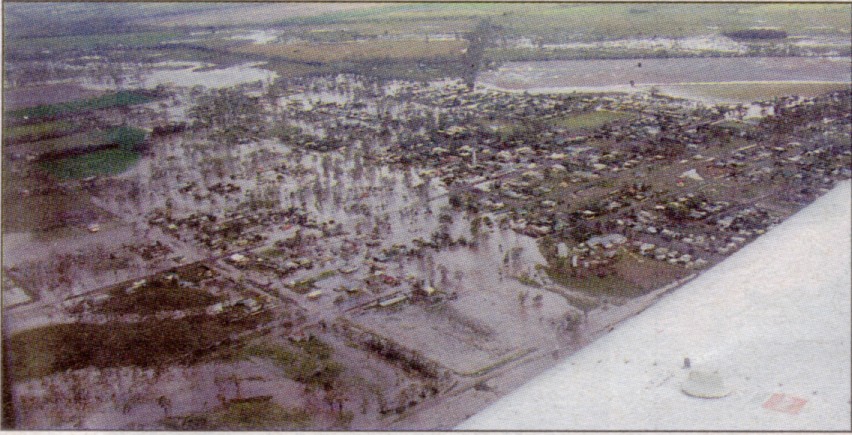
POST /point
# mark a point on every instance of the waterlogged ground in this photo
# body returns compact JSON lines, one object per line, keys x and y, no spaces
{"x":496,"y":319}
{"x":602,"y":75}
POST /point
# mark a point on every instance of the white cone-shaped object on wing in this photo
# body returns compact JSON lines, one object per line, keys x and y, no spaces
{"x":707,"y":385}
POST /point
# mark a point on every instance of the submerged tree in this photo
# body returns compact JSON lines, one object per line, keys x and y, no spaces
{"x":478,"y":40}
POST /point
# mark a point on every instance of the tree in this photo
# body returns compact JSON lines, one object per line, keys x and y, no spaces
{"x":166,"y":404}
{"x":478,"y":40}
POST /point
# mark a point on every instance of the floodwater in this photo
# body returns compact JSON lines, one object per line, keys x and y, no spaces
{"x":585,"y":74}
{"x":692,"y":44}
{"x":258,"y":36}
{"x":770,"y":324}
{"x":212,"y":78}
{"x":177,"y":73}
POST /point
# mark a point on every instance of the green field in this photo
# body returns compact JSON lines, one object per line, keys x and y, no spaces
{"x":125,"y":137}
{"x":34,"y":132}
{"x":589,"y":120}
{"x":102,"y":162}
{"x":71,"y":142}
{"x":118,"y":99}
{"x":555,"y":22}
{"x":309,"y":363}
{"x":749,"y":92}
{"x":90,"y":42}
{"x":359,"y":51}
{"x":70,"y":346}
{"x":36,"y":213}
{"x":155,"y":297}
{"x":109,"y":161}
{"x":258,"y":413}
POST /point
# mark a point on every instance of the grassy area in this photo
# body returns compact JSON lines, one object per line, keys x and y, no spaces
{"x":307,"y":284}
{"x":78,"y":141}
{"x":608,"y":285}
{"x":155,"y":297}
{"x":257,"y":413}
{"x":124,"y":137}
{"x":271,"y":252}
{"x":527,"y":281}
{"x":748,"y":92}
{"x":501,"y":362}
{"x":90,"y":42}
{"x":359,"y":51}
{"x":629,"y":276}
{"x":107,"y":161}
{"x":55,"y":348}
{"x":589,"y":21}
{"x":399,"y":28}
{"x":102,"y":162}
{"x":35,"y":132}
{"x":37,"y":212}
{"x":118,"y":99}
{"x":309,"y":362}
{"x":590,"y":120}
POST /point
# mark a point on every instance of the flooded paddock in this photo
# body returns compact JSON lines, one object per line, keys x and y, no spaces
{"x":198,"y":75}
{"x":617,"y":74}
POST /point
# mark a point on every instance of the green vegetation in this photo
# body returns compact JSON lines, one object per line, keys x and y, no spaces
{"x":748,"y":92}
{"x":307,"y":284}
{"x":123,"y":137}
{"x":155,"y":297}
{"x":35,"y":132}
{"x":24,"y":210}
{"x":69,"y":159}
{"x":118,"y":99}
{"x":557,"y":22}
{"x":255,"y":413}
{"x":126,"y":137}
{"x":627,"y":276}
{"x":325,"y":275}
{"x":607,"y":285}
{"x":102,"y":162}
{"x":90,"y":42}
{"x":360,"y":51}
{"x":309,"y":361}
{"x":526,"y":280}
{"x":756,"y":34}
{"x":501,"y":362}
{"x":152,"y":342}
{"x":590,"y":120}
{"x":79,"y":141}
{"x":271,"y":252}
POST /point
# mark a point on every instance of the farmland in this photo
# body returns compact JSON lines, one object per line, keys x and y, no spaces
{"x":118,"y":99}
{"x":90,"y":42}
{"x":125,"y":137}
{"x":35,"y":132}
{"x":755,"y":91}
{"x":362,"y":51}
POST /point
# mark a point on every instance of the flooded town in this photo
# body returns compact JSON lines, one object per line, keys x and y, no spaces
{"x":284,"y":216}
